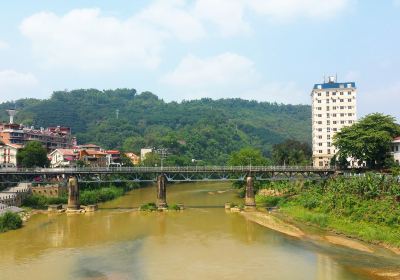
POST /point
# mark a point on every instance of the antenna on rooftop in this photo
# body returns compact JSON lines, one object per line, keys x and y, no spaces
{"x":11,"y":113}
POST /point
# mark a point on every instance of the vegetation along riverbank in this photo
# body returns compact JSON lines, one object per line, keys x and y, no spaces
{"x":10,"y":221}
{"x":366,"y":208}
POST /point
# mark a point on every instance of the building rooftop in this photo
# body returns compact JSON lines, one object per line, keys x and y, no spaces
{"x":331,"y":85}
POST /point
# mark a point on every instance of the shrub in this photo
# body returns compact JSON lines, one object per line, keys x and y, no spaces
{"x":151,"y":206}
{"x":10,"y":221}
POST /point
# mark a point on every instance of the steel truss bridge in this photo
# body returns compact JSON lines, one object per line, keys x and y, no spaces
{"x":172,"y":174}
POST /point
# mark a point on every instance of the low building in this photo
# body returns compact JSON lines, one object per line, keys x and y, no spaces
{"x":8,"y":154}
{"x":64,"y":158}
{"x":93,"y":158}
{"x":49,"y":190}
{"x":395,"y":149}
{"x":113,"y":157}
{"x":144,"y":152}
{"x":90,"y":147}
{"x":135,"y":159}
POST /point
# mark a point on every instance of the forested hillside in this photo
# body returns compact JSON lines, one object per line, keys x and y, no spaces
{"x":203,"y":129}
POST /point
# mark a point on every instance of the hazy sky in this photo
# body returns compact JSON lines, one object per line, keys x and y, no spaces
{"x":268,"y":50}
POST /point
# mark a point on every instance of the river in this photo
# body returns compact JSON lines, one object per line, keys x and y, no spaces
{"x":201,"y":242}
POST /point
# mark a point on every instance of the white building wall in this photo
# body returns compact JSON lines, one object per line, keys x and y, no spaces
{"x":395,"y":149}
{"x":332,"y":109}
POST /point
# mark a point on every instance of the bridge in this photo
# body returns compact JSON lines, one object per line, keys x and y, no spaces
{"x":162,"y":175}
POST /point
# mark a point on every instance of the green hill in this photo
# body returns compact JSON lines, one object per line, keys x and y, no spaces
{"x":203,"y":129}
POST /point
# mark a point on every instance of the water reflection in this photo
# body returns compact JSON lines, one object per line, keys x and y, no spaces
{"x":198,"y":243}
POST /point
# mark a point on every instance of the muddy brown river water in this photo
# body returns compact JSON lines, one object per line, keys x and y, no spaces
{"x":201,"y":242}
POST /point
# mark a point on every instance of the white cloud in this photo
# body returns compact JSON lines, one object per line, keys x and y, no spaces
{"x":3,"y":45}
{"x":223,"y":70}
{"x":227,"y":75}
{"x":85,"y":39}
{"x":173,"y":16}
{"x":15,"y":85}
{"x":227,"y":15}
{"x":292,"y":9}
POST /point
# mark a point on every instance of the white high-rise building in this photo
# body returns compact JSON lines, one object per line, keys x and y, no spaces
{"x":333,"y":107}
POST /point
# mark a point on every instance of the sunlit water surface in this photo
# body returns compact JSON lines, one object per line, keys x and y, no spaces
{"x":202,"y":242}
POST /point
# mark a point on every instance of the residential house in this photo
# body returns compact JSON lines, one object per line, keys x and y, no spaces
{"x":64,"y":158}
{"x":135,"y":159}
{"x":93,"y":158}
{"x":143,"y":153}
{"x":113,"y":157}
{"x":8,"y":154}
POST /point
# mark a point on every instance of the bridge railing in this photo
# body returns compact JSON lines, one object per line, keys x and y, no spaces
{"x":165,"y":169}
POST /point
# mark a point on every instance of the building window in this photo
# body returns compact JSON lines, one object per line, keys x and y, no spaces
{"x":349,"y":93}
{"x":334,"y":107}
{"x":329,"y":151}
{"x":334,"y":100}
{"x":341,"y":93}
{"x":341,"y":107}
{"x":327,"y":108}
{"x":320,"y":137}
{"x":350,"y":107}
{"x":328,"y":122}
{"x":350,"y":121}
{"x":349,"y":114}
{"x":320,"y":144}
{"x":328,"y":137}
{"x":334,"y":122}
{"x":319,"y":101}
{"x":334,"y":129}
{"x":341,"y":100}
{"x":334,"y":115}
{"x":333,"y":93}
{"x":321,"y":163}
{"x":349,"y":99}
{"x":319,"y":94}
{"x":327,"y":101}
{"x":320,"y":151}
{"x":397,"y":148}
{"x":342,"y":122}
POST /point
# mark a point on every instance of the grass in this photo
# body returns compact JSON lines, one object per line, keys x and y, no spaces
{"x":366,"y":231}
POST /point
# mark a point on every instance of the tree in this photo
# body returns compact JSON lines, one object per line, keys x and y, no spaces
{"x":291,"y":152}
{"x":33,"y":155}
{"x":248,"y":156}
{"x":367,"y":140}
{"x":152,"y":159}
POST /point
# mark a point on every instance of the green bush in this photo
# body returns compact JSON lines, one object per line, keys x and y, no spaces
{"x":100,"y":195}
{"x":151,"y":206}
{"x":41,"y":202}
{"x":268,"y":201}
{"x":10,"y":221}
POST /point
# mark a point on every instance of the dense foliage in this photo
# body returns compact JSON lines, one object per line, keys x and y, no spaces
{"x":10,"y":221}
{"x":32,"y":155}
{"x":204,"y":129}
{"x":362,"y":206}
{"x":291,"y":152}
{"x":368,"y":141}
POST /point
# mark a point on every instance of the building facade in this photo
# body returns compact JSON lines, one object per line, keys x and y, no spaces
{"x":395,"y":150}
{"x":333,"y":107}
{"x":8,"y":154}
{"x":52,"y":137}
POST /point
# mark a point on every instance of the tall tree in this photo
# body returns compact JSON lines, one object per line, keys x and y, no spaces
{"x":248,"y":156}
{"x":32,"y":155}
{"x":291,"y":152}
{"x":367,"y":141}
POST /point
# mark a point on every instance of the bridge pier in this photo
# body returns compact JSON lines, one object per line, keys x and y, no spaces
{"x":73,"y":194}
{"x":162,"y":191}
{"x":249,"y":199}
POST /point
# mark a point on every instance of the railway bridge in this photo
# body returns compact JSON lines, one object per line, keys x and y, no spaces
{"x":162,"y":175}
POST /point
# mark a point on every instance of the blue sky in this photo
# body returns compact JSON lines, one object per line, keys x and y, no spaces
{"x":268,"y":50}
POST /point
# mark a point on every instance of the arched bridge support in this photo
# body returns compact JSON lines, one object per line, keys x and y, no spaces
{"x":73,"y":194}
{"x":249,"y":200}
{"x":162,"y":191}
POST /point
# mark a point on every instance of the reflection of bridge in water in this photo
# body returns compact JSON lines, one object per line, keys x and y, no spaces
{"x":162,"y":175}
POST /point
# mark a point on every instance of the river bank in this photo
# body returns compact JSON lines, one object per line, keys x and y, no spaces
{"x":287,"y":225}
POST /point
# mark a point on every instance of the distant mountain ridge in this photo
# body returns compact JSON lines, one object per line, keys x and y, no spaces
{"x":203,"y":129}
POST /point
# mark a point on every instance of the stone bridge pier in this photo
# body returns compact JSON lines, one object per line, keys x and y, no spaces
{"x":73,"y":194}
{"x":249,"y":199}
{"x":162,"y":191}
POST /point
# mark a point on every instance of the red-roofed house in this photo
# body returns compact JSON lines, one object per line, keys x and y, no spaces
{"x":395,"y":149}
{"x":135,"y":159}
{"x":64,"y":158}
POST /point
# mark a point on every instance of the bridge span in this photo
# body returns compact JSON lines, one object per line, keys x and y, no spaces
{"x":162,"y":175}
